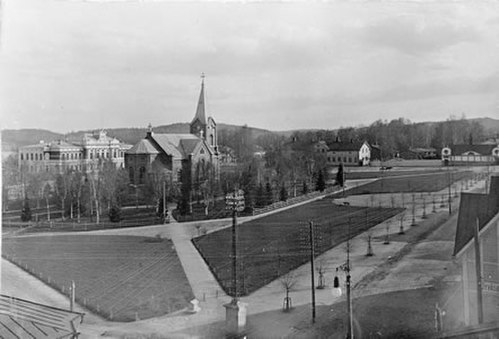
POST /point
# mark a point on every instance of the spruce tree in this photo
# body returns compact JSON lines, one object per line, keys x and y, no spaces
{"x":283,"y":194}
{"x":26,"y":211}
{"x":340,"y":176}
{"x":321,"y":183}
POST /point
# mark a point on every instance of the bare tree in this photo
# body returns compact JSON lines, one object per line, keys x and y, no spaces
{"x":321,"y":270}
{"x":288,"y":281}
{"x":46,"y":195}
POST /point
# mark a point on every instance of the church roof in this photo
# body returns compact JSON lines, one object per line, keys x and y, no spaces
{"x":473,"y":206}
{"x":200,"y":111}
{"x":177,"y":145}
{"x":144,"y":146}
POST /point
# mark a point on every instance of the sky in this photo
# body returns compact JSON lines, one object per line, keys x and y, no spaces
{"x":69,"y":65}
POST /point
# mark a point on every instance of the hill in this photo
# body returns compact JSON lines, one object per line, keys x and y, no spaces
{"x":12,"y":138}
{"x":491,"y":126}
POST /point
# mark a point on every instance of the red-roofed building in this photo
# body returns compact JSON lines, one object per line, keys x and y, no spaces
{"x":166,"y":155}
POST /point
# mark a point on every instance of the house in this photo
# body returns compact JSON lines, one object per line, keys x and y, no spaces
{"x":84,"y":155}
{"x":478,"y":223}
{"x":423,"y":153}
{"x":348,"y":153}
{"x":171,"y":155}
{"x":481,"y":154}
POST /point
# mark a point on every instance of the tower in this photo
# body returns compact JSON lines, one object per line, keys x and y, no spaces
{"x":198,"y":124}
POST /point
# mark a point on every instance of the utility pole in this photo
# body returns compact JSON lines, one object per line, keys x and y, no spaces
{"x":312,"y":255}
{"x":348,"y":286}
{"x":164,"y":201}
{"x":234,"y":250}
{"x":478,"y":270}
{"x":450,"y":207}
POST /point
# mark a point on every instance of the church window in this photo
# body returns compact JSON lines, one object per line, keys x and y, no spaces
{"x":62,"y":156}
{"x":130,"y":174}
{"x":114,"y":154}
{"x":202,"y":151}
{"x":31,"y":156}
{"x":91,"y":155}
{"x":22,"y":156}
{"x":36,"y":156}
{"x":142,"y":173}
{"x":334,"y":159}
{"x":212,"y":140}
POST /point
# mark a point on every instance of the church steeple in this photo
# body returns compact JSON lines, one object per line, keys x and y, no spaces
{"x":198,"y":124}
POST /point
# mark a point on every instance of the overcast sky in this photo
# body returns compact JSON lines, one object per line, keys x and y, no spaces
{"x":73,"y":65}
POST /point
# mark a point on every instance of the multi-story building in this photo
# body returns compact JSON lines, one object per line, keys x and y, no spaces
{"x":346,"y":153}
{"x":85,"y":155}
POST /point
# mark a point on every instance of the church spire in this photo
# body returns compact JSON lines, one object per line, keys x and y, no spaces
{"x":200,"y":111}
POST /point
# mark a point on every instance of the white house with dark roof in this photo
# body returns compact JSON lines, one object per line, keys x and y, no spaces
{"x":166,"y":155}
{"x":347,"y":153}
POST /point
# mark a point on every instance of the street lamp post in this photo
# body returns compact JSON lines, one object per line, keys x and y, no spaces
{"x":235,"y":310}
{"x":346,"y":268}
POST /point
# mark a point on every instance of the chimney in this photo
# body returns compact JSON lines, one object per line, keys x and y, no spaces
{"x":149,"y":131}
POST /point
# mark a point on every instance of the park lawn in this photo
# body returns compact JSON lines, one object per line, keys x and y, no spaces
{"x":414,"y":183}
{"x":119,"y":277}
{"x":271,"y":246}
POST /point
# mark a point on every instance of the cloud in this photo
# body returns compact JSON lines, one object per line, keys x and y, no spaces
{"x":415,"y":35}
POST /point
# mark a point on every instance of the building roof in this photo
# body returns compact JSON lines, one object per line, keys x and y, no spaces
{"x":473,"y":206}
{"x":177,"y":145}
{"x":345,"y":146}
{"x":25,"y":319}
{"x":483,"y":149}
{"x":144,"y":146}
{"x":61,"y":144}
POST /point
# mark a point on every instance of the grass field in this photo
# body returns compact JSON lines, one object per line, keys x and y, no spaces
{"x":272,"y":246}
{"x":387,"y":173}
{"x":413,"y":183}
{"x":119,"y":277}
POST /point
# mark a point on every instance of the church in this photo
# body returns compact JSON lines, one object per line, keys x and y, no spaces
{"x":173,"y":155}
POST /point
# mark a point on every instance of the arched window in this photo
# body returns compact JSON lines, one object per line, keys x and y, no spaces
{"x":31,"y":156}
{"x":212,"y":140}
{"x":36,"y":156}
{"x":22,"y":156}
{"x":142,"y":174}
{"x":131,"y":174}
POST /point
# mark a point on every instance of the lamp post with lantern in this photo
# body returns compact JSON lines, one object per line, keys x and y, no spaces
{"x":235,"y":310}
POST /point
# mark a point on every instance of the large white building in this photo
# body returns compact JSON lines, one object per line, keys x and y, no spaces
{"x":84,"y":155}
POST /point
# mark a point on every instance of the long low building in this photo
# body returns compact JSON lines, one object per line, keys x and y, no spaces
{"x":484,"y":154}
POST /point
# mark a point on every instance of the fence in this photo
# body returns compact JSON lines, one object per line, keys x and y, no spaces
{"x":293,"y":201}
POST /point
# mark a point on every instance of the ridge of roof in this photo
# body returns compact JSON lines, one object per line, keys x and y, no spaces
{"x":472,"y":206}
